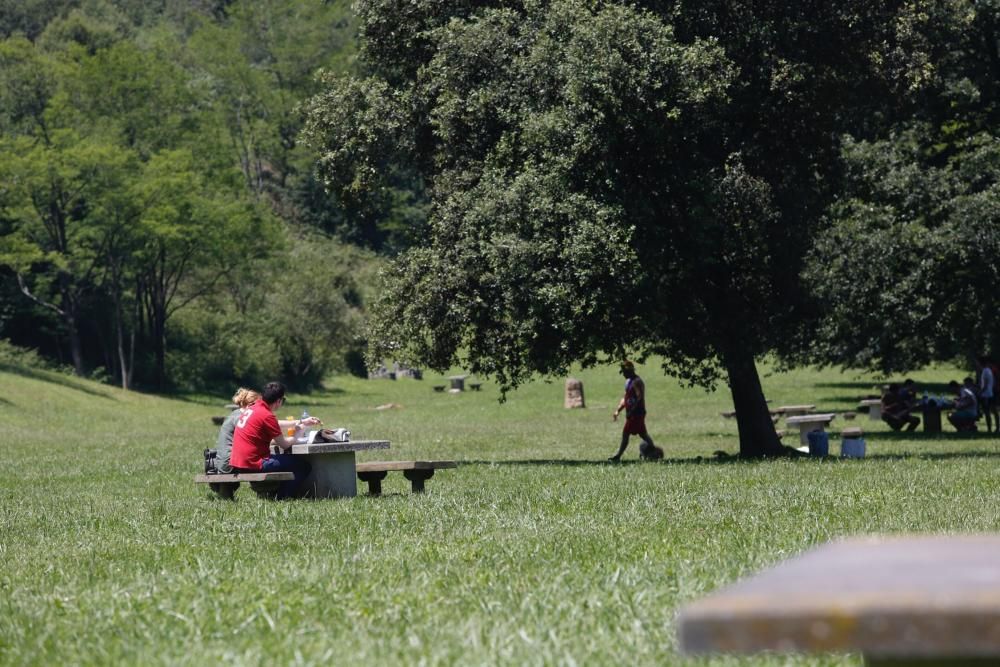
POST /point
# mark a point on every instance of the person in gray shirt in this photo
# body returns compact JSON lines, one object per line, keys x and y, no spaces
{"x":244,"y":398}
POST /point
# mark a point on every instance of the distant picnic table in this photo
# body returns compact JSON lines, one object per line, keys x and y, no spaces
{"x":904,"y":600}
{"x":807,"y":423}
{"x":794,"y":410}
{"x":874,"y":406}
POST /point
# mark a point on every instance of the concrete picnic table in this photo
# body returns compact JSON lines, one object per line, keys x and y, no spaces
{"x":333,"y":464}
{"x":874,"y":408}
{"x":807,"y":423}
{"x":899,"y":600}
{"x":457,"y":382}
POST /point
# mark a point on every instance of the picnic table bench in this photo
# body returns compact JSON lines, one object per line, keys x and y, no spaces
{"x":417,"y":472}
{"x":263,"y":483}
{"x":807,"y":423}
{"x":906,"y":600}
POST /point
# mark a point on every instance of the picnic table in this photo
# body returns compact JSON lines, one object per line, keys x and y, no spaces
{"x":903,"y":600}
{"x":457,"y":382}
{"x":874,"y":408}
{"x":333,"y":473}
{"x":807,"y":423}
{"x":931,"y":409}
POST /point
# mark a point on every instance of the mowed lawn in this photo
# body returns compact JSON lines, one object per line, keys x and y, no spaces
{"x":533,"y":551}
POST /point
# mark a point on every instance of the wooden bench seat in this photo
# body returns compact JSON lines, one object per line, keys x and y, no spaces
{"x":226,"y":485}
{"x":417,"y":472}
{"x":899,"y":600}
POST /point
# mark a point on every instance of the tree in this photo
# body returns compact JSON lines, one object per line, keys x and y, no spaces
{"x":57,"y":243}
{"x":608,"y":177}
{"x":189,"y":236}
{"x":915,"y":239}
{"x":101,"y":215}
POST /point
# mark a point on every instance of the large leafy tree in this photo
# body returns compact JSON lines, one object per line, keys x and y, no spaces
{"x":609,"y":177}
{"x":910,"y":263}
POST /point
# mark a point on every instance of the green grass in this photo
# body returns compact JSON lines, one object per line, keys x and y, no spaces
{"x":533,"y":551}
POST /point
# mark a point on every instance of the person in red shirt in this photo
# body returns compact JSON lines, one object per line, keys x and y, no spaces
{"x":256,"y":429}
{"x":634,"y":405}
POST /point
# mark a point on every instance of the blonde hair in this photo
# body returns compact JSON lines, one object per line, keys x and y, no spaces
{"x":244,"y":397}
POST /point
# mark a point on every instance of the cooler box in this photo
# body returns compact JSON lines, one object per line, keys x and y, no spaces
{"x":852,"y":448}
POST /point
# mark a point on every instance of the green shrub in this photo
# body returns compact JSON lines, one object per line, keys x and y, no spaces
{"x":14,"y":356}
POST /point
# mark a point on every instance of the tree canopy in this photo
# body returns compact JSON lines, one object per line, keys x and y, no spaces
{"x":910,"y":260}
{"x":609,"y":177}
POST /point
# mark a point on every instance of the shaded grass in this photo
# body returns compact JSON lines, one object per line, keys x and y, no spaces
{"x":533,"y":551}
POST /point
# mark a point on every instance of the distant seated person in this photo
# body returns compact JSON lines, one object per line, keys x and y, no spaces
{"x":243,"y":399}
{"x":257,"y":428}
{"x":966,"y":405}
{"x":896,"y":409}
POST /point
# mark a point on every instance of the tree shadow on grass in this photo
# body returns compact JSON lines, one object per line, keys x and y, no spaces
{"x":576,"y":463}
{"x":68,"y":381}
{"x":916,"y":436}
{"x":839,"y":403}
{"x":860,"y":385}
{"x":728,"y":459}
{"x":937,"y":456}
{"x":869,"y":387}
{"x":921,"y":436}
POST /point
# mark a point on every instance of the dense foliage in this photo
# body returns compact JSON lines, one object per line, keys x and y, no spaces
{"x":610,"y":176}
{"x":910,"y":263}
{"x":156,"y":200}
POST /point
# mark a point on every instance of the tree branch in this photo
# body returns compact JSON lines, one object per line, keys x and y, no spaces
{"x":27,"y":292}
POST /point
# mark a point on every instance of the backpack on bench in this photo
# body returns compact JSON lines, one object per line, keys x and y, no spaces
{"x":210,"y":468}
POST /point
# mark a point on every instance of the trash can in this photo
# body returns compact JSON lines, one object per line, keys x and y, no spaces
{"x":819,"y":443}
{"x":852,"y":448}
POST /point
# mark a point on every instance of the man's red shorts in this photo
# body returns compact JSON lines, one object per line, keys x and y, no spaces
{"x":635,"y":425}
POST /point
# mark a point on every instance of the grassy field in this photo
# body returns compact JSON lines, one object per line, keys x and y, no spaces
{"x":533,"y":551}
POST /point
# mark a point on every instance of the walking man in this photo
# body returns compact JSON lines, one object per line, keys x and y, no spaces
{"x":634,"y":405}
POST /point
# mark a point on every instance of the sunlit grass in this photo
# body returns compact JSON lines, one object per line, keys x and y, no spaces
{"x":533,"y":551}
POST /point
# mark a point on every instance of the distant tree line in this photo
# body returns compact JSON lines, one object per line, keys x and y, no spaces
{"x":161,"y":224}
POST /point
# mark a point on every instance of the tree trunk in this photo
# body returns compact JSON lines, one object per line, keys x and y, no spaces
{"x":158,"y":327}
{"x":69,"y":313}
{"x":75,"y":346}
{"x":120,"y":340}
{"x":757,"y":434}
